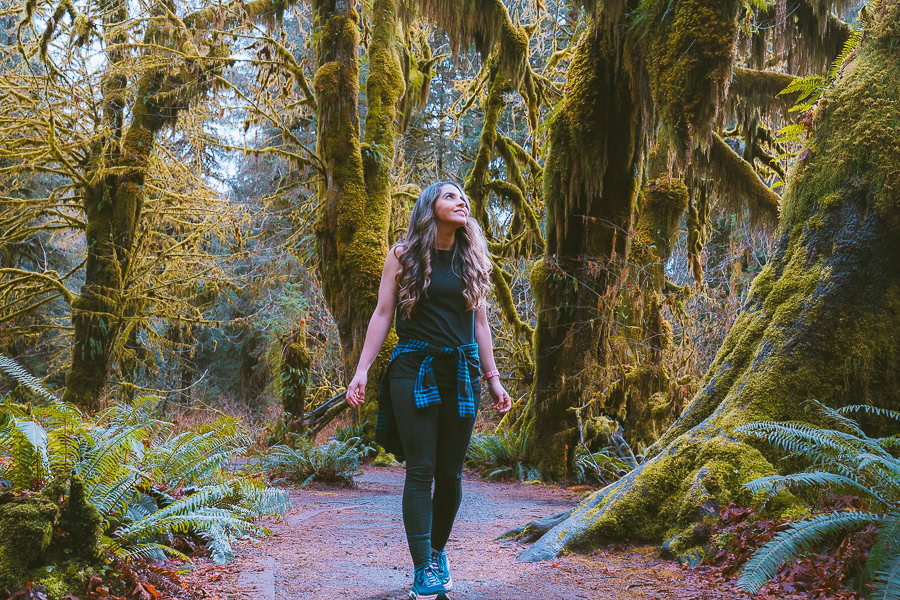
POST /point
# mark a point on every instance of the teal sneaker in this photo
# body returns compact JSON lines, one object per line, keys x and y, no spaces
{"x":441,"y":568}
{"x":427,"y":586}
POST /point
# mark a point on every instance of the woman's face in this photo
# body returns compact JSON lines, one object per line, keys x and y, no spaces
{"x":451,"y":206}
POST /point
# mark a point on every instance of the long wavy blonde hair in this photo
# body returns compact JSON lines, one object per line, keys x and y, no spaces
{"x":418,"y":249}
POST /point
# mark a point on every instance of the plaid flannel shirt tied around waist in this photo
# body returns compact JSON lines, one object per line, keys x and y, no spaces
{"x":425,"y":391}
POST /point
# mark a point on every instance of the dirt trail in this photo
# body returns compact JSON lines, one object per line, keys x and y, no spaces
{"x":349,"y":544}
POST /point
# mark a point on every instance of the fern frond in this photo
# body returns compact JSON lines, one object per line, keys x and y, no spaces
{"x":148,"y":551}
{"x":886,"y":546}
{"x":800,"y":536}
{"x":836,"y":418}
{"x":791,"y":133}
{"x":887,"y":580}
{"x":869,"y":409}
{"x":109,"y":454}
{"x":772,"y":484}
{"x":24,"y":378}
{"x":26,"y":443}
{"x":801,"y":439}
{"x":849,"y":46}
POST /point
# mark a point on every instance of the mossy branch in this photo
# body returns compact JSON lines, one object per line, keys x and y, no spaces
{"x":758,"y":91}
{"x":507,"y":303}
{"x":45,"y":278}
{"x":515,"y":195}
{"x":738,"y":184}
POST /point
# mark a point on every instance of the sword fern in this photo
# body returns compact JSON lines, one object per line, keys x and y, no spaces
{"x":841,"y":458}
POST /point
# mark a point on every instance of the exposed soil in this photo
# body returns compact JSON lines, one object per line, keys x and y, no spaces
{"x":349,"y":543}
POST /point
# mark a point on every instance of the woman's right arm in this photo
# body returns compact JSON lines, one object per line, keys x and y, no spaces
{"x":379,"y":325}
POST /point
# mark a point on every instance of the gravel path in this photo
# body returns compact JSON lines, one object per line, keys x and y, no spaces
{"x":349,"y":544}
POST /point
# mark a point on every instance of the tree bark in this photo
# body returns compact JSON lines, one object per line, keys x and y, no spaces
{"x":821,"y":322}
{"x":295,"y":364}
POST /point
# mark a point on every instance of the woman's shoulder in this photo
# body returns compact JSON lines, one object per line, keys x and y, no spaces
{"x":397,"y":250}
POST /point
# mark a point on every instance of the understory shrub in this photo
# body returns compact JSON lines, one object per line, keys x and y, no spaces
{"x":502,"y":454}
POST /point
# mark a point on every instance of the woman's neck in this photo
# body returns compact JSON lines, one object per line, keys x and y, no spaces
{"x":444,"y":239}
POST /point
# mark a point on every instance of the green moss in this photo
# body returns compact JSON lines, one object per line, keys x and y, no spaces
{"x":484,"y":23}
{"x":384,"y":459}
{"x":27,"y":525}
{"x":687,"y":48}
{"x":675,"y":494}
{"x":62,"y":578}
{"x":820,"y":322}
{"x":295,"y":365}
{"x":697,"y":232}
{"x":594,"y":136}
{"x":856,"y":138}
{"x":80,"y":522}
{"x":663,"y":203}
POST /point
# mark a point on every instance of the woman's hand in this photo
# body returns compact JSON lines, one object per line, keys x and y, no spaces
{"x":502,"y":402}
{"x":356,"y":391}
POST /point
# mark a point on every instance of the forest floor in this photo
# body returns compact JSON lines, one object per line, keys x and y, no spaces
{"x":349,"y":543}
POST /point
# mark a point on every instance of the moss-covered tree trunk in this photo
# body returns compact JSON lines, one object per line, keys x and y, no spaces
{"x":591,"y":180}
{"x":295,"y":364}
{"x":822,"y":321}
{"x":355,"y":198}
{"x":113,"y":209}
{"x":508,"y":72}
{"x":113,"y":186}
{"x":643,"y":395}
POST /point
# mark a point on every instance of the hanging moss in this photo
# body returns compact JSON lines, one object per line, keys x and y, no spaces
{"x":485,"y":24}
{"x":640,"y":391}
{"x":661,"y":206}
{"x":697,"y":231}
{"x":417,"y":73}
{"x":687,"y":48}
{"x":113,"y":203}
{"x":863,"y":113}
{"x":806,"y":42}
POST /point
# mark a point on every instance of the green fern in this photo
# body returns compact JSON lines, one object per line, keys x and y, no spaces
{"x":887,"y":581}
{"x":500,"y":454}
{"x":335,"y":460}
{"x":147,"y":482}
{"x":849,"y":46}
{"x":843,"y":458}
{"x":24,"y":378}
{"x":801,"y":536}
{"x":810,"y":89}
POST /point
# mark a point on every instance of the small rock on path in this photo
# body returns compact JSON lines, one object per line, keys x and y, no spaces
{"x":350,"y":544}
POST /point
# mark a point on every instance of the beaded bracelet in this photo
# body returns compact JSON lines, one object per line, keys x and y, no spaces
{"x":489,"y":374}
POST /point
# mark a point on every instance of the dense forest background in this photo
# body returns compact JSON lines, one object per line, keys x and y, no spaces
{"x":691,"y":209}
{"x":223,"y":266}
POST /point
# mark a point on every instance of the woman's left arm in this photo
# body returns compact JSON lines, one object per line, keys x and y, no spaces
{"x":502,"y":401}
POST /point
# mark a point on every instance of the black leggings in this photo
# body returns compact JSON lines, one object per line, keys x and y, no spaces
{"x":435,"y":440}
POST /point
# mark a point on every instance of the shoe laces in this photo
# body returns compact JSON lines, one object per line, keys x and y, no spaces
{"x":427,"y":576}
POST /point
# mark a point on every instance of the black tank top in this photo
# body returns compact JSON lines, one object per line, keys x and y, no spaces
{"x":440,"y":318}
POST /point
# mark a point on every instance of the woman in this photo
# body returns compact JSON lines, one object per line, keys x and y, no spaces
{"x":438,"y":281}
